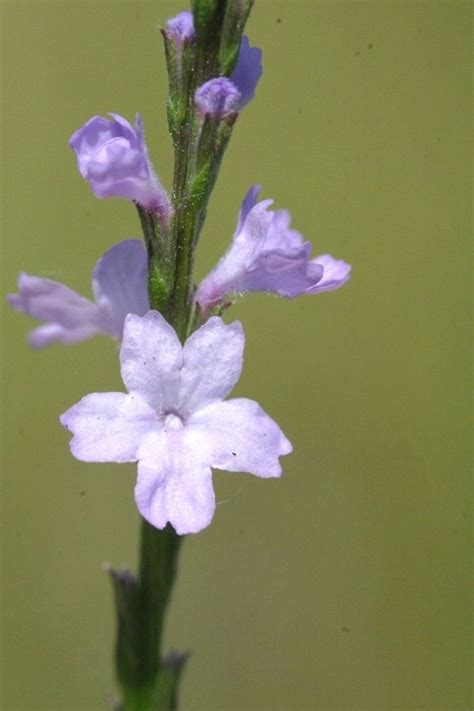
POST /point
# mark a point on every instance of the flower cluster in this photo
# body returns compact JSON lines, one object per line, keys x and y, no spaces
{"x":174,"y":419}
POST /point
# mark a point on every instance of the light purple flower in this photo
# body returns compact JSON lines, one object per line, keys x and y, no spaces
{"x":174,"y":422}
{"x":119,"y":285}
{"x":267,"y":255}
{"x":113,"y":158}
{"x":181,"y":27}
{"x":247,"y":71}
{"x":218,"y":98}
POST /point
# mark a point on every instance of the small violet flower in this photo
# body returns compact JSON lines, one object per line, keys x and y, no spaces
{"x":119,"y":285}
{"x":113,"y":158}
{"x":174,"y":420}
{"x":267,"y":255}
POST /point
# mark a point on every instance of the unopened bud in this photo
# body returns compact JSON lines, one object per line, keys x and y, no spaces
{"x":181,"y":28}
{"x":217,"y":98}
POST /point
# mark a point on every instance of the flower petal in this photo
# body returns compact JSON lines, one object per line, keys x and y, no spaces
{"x":282,"y":273}
{"x":124,"y":128}
{"x":173,"y":484}
{"x":249,"y":201}
{"x":213,"y":358}
{"x":85,"y":140}
{"x":69,"y":316}
{"x":108,"y":427}
{"x":336,"y":273}
{"x":119,"y":283}
{"x":151,"y":358}
{"x":247,"y":71}
{"x":240,"y":436}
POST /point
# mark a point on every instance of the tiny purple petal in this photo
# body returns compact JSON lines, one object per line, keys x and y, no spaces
{"x":113,"y":158}
{"x":267,"y":255}
{"x":218,"y":98}
{"x":181,"y":27}
{"x":247,"y":71}
{"x":249,"y":201}
{"x":119,"y":284}
{"x":336,"y":273}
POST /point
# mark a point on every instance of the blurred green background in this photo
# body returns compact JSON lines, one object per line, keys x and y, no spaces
{"x":344,"y":585}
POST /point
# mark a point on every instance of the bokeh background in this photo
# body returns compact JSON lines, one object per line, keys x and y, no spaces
{"x":344,"y":585}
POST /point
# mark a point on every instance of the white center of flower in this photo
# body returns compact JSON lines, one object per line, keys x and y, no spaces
{"x":173,"y":421}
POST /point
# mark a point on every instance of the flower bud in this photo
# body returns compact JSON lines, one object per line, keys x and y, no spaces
{"x":181,"y":28}
{"x":217,"y":98}
{"x":113,"y":158}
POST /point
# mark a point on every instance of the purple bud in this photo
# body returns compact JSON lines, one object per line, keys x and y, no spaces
{"x":113,"y":158}
{"x":181,"y":27}
{"x":217,"y":98}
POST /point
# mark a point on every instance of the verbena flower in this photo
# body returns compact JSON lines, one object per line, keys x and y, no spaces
{"x":113,"y":158}
{"x":267,"y":255}
{"x":119,"y":285}
{"x":174,"y":422}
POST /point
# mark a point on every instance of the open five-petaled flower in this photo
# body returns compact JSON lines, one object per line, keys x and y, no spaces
{"x":174,"y":420}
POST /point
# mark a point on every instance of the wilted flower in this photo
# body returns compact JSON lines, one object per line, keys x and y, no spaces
{"x":267,"y":255}
{"x":113,"y":158}
{"x":174,"y":422}
{"x":119,"y":285}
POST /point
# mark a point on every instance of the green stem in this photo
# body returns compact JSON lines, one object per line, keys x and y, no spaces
{"x":183,"y":232}
{"x":158,"y":553}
